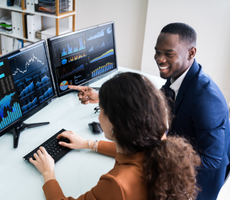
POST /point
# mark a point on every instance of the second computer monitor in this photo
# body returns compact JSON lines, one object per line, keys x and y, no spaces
{"x":82,"y":57}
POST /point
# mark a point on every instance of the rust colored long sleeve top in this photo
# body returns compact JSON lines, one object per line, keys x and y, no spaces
{"x":123,"y":182}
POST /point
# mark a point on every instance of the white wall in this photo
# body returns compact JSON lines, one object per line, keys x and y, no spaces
{"x":210,"y":19}
{"x":138,"y":23}
{"x":129,"y":17}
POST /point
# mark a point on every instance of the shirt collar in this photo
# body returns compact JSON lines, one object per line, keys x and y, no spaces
{"x":175,"y":85}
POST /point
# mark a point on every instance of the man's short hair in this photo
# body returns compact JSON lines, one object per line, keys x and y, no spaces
{"x":186,"y":33}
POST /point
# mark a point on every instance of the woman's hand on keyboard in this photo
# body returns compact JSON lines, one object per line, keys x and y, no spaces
{"x":44,"y":163}
{"x":86,"y":94}
{"x":76,"y":142}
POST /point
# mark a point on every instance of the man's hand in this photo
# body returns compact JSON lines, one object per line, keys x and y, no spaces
{"x":86,"y":94}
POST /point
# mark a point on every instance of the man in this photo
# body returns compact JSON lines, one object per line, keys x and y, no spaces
{"x":199,"y":108}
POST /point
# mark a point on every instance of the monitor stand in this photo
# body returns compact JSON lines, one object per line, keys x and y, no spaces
{"x":17,"y":130}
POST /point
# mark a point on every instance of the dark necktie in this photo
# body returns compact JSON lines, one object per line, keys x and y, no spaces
{"x":170,"y":96}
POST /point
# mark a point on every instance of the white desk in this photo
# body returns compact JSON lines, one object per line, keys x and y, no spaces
{"x":77,"y":172}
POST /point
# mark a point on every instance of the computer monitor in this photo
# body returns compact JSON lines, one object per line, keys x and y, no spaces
{"x":26,"y":86}
{"x":82,"y":57}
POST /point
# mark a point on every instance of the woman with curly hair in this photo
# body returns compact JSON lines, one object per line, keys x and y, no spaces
{"x":149,"y":165}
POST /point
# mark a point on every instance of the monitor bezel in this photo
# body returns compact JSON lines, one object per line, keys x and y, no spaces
{"x":20,"y":120}
{"x":92,"y":80}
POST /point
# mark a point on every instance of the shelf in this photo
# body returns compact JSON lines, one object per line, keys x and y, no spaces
{"x":57,"y":30}
{"x":52,"y":32}
{"x":18,"y":37}
{"x":15,"y":8}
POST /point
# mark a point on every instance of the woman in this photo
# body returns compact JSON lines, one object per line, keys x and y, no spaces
{"x":148,"y":165}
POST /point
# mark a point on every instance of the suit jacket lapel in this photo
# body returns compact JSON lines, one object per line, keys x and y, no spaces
{"x":184,"y":86}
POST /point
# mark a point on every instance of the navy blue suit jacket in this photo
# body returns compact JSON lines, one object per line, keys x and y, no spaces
{"x":202,"y":116}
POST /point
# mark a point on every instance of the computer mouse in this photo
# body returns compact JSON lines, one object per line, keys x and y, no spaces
{"x":95,"y":127}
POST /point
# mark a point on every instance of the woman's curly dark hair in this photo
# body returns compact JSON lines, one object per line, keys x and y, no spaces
{"x":171,"y":170}
{"x":138,"y":112}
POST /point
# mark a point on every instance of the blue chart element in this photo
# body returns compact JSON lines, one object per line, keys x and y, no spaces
{"x":91,"y":49}
{"x":28,"y":79}
{"x":72,"y":46}
{"x":104,"y":55}
{"x":13,"y":112}
{"x":27,"y":91}
{"x":46,"y":95}
{"x":103,"y":44}
{"x":102,"y":69}
{"x":99,"y":34}
{"x":81,"y":46}
{"x":81,"y":43}
{"x":44,"y":69}
{"x":2,"y":75}
{"x":81,"y":67}
{"x":21,"y":83}
{"x":109,"y":30}
{"x":64,"y":61}
{"x":5,"y":103}
{"x":64,"y":52}
{"x":45,"y":79}
{"x":30,"y":105}
{"x":70,"y":49}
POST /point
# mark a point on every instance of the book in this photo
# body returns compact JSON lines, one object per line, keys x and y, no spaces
{"x":8,"y":44}
{"x":30,"y":5}
{"x":33,"y":25}
{"x":3,"y":44}
{"x":19,"y":24}
{"x":15,"y":44}
{"x":14,"y":22}
{"x":10,"y":2}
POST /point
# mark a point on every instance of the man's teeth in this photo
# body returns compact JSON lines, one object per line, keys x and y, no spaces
{"x":163,"y":67}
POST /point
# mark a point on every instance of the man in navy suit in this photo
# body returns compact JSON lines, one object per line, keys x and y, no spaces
{"x":200,"y":109}
{"x":200,"y":112}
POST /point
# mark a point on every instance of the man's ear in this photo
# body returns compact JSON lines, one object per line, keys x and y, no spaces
{"x":192,"y":53}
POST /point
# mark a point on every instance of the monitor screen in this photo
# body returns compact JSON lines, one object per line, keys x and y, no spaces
{"x":82,"y":57}
{"x":26,"y":85}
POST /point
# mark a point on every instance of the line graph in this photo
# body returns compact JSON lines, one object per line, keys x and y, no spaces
{"x":44,"y":80}
{"x":29,"y":104}
{"x":45,"y":94}
{"x":29,"y":89}
{"x":69,"y":70}
{"x":27,"y":64}
{"x":104,"y":55}
{"x":99,"y":39}
{"x":97,"y":35}
{"x":33,"y":82}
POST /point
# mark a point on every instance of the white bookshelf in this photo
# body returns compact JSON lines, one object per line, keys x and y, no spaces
{"x":54,"y":26}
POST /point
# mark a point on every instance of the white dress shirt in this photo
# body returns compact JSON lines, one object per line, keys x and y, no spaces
{"x":175,"y":84}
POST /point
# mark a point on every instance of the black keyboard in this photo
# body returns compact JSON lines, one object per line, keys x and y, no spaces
{"x":52,"y":147}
